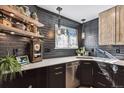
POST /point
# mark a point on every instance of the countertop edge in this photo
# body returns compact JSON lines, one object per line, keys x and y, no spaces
{"x":62,"y":60}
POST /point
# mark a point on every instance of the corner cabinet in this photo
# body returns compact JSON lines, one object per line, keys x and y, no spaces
{"x":111,"y":25}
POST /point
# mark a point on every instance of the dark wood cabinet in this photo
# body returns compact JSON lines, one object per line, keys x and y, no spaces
{"x":56,"y":76}
{"x":47,"y":77}
{"x":86,"y":73}
{"x":90,"y":73}
{"x":27,"y":79}
{"x":119,"y":77}
{"x":102,"y":75}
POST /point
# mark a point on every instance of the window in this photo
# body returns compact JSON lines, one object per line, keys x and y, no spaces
{"x":65,"y":38}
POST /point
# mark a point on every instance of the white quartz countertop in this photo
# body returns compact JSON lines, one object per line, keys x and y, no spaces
{"x":55,"y":61}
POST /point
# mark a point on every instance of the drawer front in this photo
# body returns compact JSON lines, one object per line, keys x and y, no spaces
{"x":56,"y":79}
{"x":57,"y":68}
{"x":56,"y":76}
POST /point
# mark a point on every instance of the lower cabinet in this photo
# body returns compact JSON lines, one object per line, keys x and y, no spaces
{"x":86,"y":73}
{"x":28,"y":79}
{"x":90,"y":73}
{"x":102,"y":75}
{"x":56,"y":76}
{"x":119,"y":77}
{"x":48,"y":77}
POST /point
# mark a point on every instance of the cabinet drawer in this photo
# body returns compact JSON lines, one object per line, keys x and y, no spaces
{"x":56,"y":76}
{"x":57,"y":68}
{"x":56,"y":79}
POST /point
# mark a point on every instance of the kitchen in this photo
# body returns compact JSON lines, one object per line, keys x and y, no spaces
{"x":47,"y":46}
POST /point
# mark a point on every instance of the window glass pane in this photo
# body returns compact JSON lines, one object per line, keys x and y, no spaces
{"x":65,"y":37}
{"x":72,"y":38}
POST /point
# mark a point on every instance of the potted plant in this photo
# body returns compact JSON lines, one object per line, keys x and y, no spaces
{"x":9,"y":65}
{"x":78,"y":52}
{"x":82,"y":49}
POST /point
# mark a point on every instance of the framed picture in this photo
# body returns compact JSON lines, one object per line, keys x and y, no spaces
{"x":23,"y":59}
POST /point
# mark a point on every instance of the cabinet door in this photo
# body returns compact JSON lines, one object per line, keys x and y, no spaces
{"x":27,"y":79}
{"x":120,"y":25}
{"x":107,"y":27}
{"x":56,"y":76}
{"x":102,"y":76}
{"x":119,"y":77}
{"x":86,"y":73}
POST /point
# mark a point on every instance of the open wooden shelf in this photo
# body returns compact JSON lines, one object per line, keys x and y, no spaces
{"x":17,"y":31}
{"x":17,"y":15}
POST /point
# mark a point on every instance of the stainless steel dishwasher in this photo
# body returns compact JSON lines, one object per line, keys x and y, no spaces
{"x":71,"y":79}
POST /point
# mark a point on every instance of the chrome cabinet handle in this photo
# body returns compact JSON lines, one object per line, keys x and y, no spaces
{"x":58,"y":68}
{"x":58,"y":73}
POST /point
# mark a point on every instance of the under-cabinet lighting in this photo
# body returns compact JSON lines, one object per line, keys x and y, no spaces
{"x":2,"y":34}
{"x":32,"y":37}
{"x":12,"y":33}
{"x":32,"y":24}
{"x":11,"y":14}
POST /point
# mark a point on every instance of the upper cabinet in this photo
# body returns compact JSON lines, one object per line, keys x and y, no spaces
{"x":120,"y":25}
{"x":111,"y":25}
{"x":107,"y":27}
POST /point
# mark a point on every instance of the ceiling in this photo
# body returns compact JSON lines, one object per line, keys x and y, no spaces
{"x":78,"y":12}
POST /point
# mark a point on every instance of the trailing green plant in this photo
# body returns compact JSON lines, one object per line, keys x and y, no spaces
{"x":9,"y":66}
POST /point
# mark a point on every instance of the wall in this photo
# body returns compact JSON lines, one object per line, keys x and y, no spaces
{"x":49,"y":19}
{"x":10,"y":43}
{"x":91,"y":34}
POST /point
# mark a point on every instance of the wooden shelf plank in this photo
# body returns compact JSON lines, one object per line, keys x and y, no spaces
{"x":17,"y":31}
{"x":7,"y":10}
